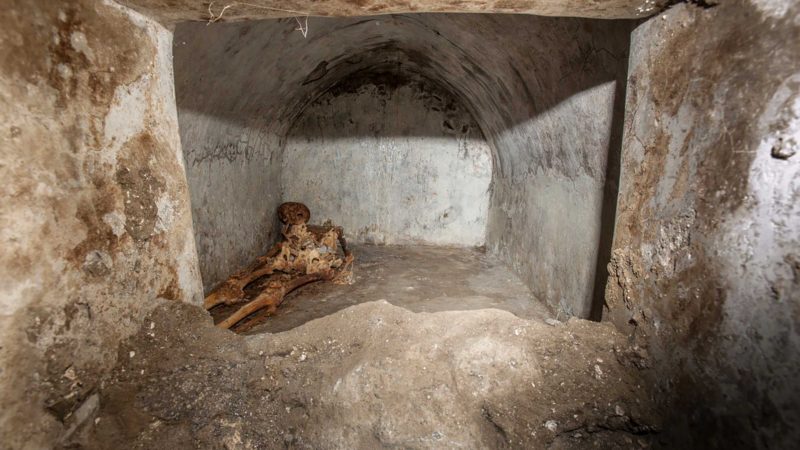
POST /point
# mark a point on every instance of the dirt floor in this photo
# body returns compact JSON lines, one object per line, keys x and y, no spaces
{"x":448,"y":369}
{"x":369,"y":376}
{"x":418,"y":278}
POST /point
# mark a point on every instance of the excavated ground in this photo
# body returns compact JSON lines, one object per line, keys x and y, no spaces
{"x":369,"y":376}
{"x":418,"y":278}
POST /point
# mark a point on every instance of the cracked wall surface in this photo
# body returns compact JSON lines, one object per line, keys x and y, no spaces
{"x":542,"y":90}
{"x":95,"y":222}
{"x":705,"y":263}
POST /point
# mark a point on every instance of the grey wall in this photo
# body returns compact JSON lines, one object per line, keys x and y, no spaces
{"x":541,"y":90}
{"x":706,"y":260}
{"x":394,"y":160}
{"x":547,"y":199}
{"x":233,"y":168}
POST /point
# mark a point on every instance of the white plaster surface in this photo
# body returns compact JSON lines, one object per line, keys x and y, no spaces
{"x":233,"y":175}
{"x":389,"y":168}
{"x":548,"y":197}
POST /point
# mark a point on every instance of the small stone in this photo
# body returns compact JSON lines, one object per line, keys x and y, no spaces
{"x":551,"y":425}
{"x":302,"y":357}
{"x":553,"y":322}
{"x":97,"y":263}
{"x":70,"y":374}
{"x":598,"y":372}
{"x":619,"y":411}
{"x":132,"y":354}
{"x":784,"y":149}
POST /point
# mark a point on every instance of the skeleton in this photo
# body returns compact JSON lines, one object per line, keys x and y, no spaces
{"x":307,"y":253}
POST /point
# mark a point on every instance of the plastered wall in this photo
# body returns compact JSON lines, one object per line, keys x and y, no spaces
{"x":395,"y":160}
{"x":233,"y":168}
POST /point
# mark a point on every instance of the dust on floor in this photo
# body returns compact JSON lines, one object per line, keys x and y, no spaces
{"x":418,"y":278}
{"x":369,"y":376}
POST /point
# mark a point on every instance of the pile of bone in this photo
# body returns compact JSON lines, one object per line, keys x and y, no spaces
{"x":307,"y":253}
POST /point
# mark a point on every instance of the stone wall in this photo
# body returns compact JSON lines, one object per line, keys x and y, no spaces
{"x":706,"y":259}
{"x":95,"y":222}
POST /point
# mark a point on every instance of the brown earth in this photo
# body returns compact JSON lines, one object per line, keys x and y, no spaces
{"x":368,"y":376}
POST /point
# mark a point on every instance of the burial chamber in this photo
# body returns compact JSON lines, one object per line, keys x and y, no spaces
{"x":575,"y":223}
{"x":406,"y":129}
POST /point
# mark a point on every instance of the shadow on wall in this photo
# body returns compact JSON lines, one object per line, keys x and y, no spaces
{"x":540,"y":89}
{"x":608,"y":216}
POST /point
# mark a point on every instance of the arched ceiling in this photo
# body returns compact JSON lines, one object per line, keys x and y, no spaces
{"x":505,"y":68}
